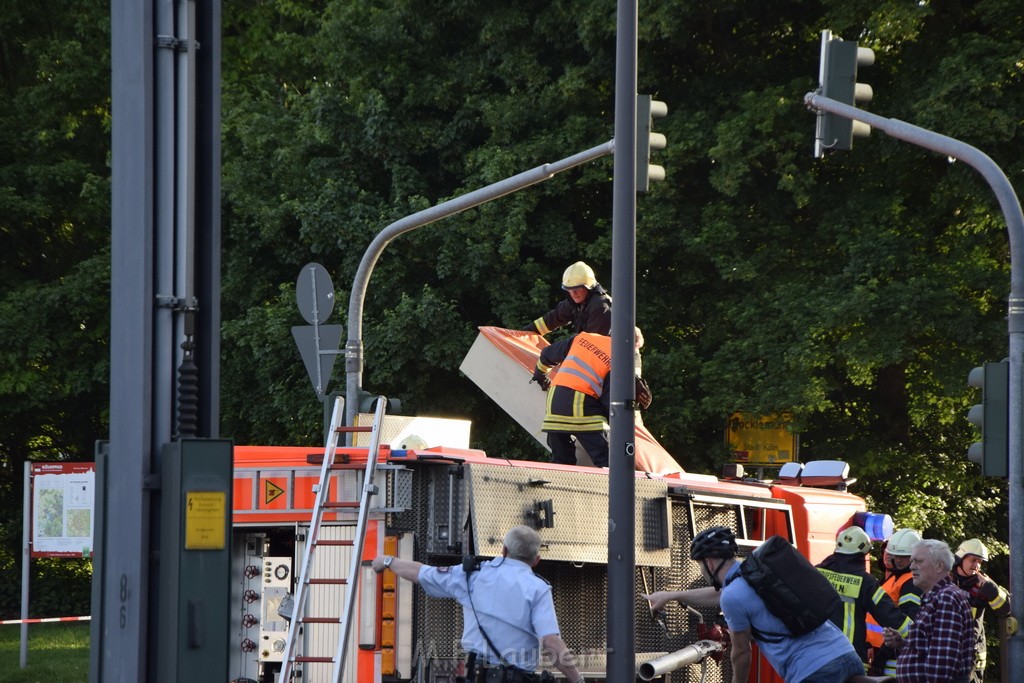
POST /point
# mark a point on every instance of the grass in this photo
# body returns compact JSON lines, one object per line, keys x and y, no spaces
{"x":57,"y":653}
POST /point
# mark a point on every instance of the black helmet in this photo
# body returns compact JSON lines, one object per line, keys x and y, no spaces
{"x":718,"y":541}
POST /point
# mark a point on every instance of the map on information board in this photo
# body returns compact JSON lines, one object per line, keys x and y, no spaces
{"x":62,"y":509}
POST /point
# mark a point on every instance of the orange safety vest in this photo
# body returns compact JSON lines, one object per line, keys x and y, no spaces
{"x":586,"y":366}
{"x":893,"y":588}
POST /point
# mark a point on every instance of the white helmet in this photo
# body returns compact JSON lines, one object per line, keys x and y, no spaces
{"x":853,"y":541}
{"x":972,"y":546}
{"x":902,"y":542}
{"x":578,"y":274}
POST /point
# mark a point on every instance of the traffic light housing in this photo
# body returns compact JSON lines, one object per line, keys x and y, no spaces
{"x":992,"y":417}
{"x":368,"y":403}
{"x":647,"y":110}
{"x":838,"y":81}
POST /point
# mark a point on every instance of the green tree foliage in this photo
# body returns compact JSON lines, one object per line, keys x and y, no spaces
{"x":54,"y":249}
{"x":855,"y":291}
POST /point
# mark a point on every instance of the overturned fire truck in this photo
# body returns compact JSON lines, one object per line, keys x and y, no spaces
{"x":438,"y":500}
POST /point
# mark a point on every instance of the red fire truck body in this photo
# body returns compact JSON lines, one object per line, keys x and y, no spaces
{"x":437,"y":504}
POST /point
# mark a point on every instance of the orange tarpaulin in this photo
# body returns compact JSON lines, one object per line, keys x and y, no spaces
{"x":524,"y":348}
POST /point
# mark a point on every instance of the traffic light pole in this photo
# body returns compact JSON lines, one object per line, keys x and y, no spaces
{"x":621,"y":662}
{"x":1010,"y":206}
{"x":354,"y":344}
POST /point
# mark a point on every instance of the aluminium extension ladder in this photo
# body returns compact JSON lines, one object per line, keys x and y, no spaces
{"x":312,"y":541}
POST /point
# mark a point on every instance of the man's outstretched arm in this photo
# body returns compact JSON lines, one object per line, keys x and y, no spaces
{"x":407,"y":569}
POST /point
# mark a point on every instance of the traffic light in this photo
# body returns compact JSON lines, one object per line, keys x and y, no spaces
{"x":647,"y":110}
{"x":992,"y":417}
{"x":838,"y":81}
{"x":368,"y":403}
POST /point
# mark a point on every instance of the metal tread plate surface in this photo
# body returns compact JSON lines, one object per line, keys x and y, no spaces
{"x":569,"y":509}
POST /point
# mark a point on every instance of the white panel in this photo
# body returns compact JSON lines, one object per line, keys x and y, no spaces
{"x":321,"y":640}
{"x":433,"y":431}
{"x":275,"y":585}
{"x":507,"y":384}
{"x":246,"y":556}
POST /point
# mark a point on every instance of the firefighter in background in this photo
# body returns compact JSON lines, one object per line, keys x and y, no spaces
{"x":577,"y":403}
{"x":899,"y":585}
{"x":985,"y":596}
{"x":859,"y":591}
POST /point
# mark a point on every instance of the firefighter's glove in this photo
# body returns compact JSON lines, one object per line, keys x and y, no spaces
{"x":530,"y":328}
{"x":541,"y":378}
{"x":643,"y":393}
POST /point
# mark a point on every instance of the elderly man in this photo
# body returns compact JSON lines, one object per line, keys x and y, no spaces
{"x":506,"y":610}
{"x":940,"y":646}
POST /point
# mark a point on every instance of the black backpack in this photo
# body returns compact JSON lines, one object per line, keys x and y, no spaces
{"x":792,"y":589}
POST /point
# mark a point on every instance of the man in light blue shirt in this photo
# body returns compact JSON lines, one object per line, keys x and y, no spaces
{"x":508,"y":613}
{"x":823,"y":655}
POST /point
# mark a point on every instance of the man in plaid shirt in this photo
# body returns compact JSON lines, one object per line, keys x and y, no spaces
{"x":940,"y":646}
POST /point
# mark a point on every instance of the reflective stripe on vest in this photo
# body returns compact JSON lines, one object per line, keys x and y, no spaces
{"x":893,"y":585}
{"x":586,"y":366}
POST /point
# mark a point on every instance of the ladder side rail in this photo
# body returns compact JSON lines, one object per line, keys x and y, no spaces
{"x":369,"y":490}
{"x":301,"y":590}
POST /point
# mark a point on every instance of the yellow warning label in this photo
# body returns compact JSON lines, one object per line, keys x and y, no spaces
{"x":205,"y":520}
{"x":271,"y":492}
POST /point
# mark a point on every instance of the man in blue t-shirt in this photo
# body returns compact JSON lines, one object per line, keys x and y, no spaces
{"x":824,"y":655}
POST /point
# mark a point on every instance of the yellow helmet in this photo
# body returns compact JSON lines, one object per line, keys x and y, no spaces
{"x":853,"y":541}
{"x":578,"y":274}
{"x":972,"y":546}
{"x":902,"y":542}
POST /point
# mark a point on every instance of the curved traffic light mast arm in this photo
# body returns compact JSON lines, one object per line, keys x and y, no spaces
{"x":354,"y":344}
{"x":1010,"y":205}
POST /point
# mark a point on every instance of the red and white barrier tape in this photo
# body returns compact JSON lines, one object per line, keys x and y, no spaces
{"x":44,"y":621}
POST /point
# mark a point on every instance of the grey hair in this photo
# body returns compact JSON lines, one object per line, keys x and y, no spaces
{"x":938,"y":551}
{"x":523,"y":543}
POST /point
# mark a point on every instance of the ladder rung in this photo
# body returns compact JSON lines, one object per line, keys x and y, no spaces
{"x":314,"y":660}
{"x":321,"y":620}
{"x":353,"y":429}
{"x":335,"y":542}
{"x":341,"y":504}
{"x":329,"y":582}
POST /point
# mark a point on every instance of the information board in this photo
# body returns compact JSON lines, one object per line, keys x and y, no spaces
{"x":63,"y":495}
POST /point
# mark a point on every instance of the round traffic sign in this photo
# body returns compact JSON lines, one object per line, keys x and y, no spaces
{"x":314,"y":293}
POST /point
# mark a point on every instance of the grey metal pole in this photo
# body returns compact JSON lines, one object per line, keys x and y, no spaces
{"x":26,"y":560}
{"x":1010,"y":205}
{"x":621,"y":446}
{"x":354,"y":344}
